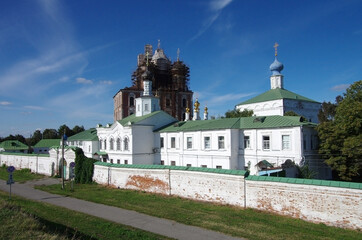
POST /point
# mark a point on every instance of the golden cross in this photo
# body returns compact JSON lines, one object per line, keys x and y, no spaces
{"x":147,"y":58}
{"x":276,"y":45}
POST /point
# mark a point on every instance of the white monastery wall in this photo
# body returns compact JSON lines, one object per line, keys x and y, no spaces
{"x":211,"y":187}
{"x":37,"y":164}
{"x":334,"y":206}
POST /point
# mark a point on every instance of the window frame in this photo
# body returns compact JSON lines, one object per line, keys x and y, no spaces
{"x":207,"y":144}
{"x":221,"y":142}
{"x":189,"y":142}
{"x":266,"y":142}
{"x":286,"y":142}
{"x":247,"y":142}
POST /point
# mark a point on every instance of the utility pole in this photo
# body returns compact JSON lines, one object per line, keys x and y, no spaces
{"x":64,"y":137}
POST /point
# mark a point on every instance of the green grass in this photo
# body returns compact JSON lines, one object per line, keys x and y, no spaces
{"x":25,"y":219}
{"x":247,"y":223}
{"x":19,"y":176}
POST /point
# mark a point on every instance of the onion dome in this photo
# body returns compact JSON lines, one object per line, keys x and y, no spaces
{"x":146,"y":75}
{"x":160,"y":59}
{"x":276,"y":67}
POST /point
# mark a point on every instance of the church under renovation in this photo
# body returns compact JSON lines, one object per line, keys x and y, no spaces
{"x":156,"y":122}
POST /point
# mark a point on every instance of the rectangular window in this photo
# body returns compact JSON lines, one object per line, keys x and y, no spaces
{"x":146,"y":107}
{"x":188,"y":165}
{"x":125,"y":161}
{"x":111,"y":160}
{"x":221,"y":142}
{"x":219,"y":167}
{"x":189,"y":142}
{"x":173,"y":163}
{"x":285,"y":142}
{"x":246,"y":141}
{"x":266,"y":143}
{"x":118,"y":161}
{"x":162,"y":162}
{"x":207,"y":142}
{"x":204,"y":166}
{"x":173,"y":142}
{"x":161,"y":142}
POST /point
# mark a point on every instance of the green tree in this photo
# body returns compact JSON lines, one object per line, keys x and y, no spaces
{"x":50,"y":134}
{"x":328,"y":110}
{"x":341,"y":137}
{"x":77,"y":129}
{"x":67,"y":130}
{"x":292,"y":113}
{"x":35,"y":138}
{"x":237,"y":113}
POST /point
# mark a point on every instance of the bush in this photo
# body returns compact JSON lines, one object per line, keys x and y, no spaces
{"x":83,"y":167}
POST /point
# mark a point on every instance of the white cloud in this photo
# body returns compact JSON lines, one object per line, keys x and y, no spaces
{"x":34,"y":107}
{"x":107,"y":82}
{"x":222,"y":99}
{"x":341,"y":87}
{"x":84,"y":81}
{"x":5,"y":103}
{"x":217,"y":5}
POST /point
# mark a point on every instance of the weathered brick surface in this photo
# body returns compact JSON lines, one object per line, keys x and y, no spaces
{"x":333,"y":206}
{"x":340,"y":207}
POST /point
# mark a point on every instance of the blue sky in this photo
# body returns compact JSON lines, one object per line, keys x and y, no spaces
{"x":63,"y":61}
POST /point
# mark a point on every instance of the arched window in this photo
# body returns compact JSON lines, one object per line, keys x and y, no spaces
{"x":105,"y":144}
{"x":168,"y":102}
{"x":131,"y":101}
{"x":184,"y":102}
{"x":100,"y":144}
{"x":111,"y":144}
{"x":125,"y":144}
{"x":118,"y":144}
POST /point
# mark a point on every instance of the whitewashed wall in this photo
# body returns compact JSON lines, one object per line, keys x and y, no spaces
{"x":333,"y":206}
{"x":211,"y":187}
{"x":36,"y":163}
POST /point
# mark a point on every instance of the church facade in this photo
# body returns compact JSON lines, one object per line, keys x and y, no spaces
{"x":278,"y":100}
{"x":170,"y":83}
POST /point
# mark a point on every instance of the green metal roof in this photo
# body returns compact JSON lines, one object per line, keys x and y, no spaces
{"x":306,"y":181}
{"x":275,"y":94}
{"x":101,"y":153}
{"x":87,"y":135}
{"x":133,"y":119}
{"x":236,"y":123}
{"x":47,"y":143}
{"x":13,"y":145}
{"x":195,"y":169}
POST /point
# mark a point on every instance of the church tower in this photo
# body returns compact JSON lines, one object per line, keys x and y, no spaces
{"x":276,"y":79}
{"x":169,"y":82}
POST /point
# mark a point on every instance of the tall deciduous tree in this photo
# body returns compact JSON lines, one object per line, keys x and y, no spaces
{"x":50,"y":134}
{"x":67,"y":130}
{"x":237,"y":113}
{"x":77,"y":129}
{"x":341,"y":137}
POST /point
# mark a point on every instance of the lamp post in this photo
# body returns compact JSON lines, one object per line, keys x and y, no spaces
{"x":64,"y":137}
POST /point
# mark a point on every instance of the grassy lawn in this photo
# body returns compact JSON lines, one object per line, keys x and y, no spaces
{"x":25,"y":219}
{"x":19,"y":176}
{"x":248,"y":223}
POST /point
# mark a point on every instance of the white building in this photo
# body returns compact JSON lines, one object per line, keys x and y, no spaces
{"x":237,"y":143}
{"x":278,"y":101}
{"x":86,"y":140}
{"x":262,"y":144}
